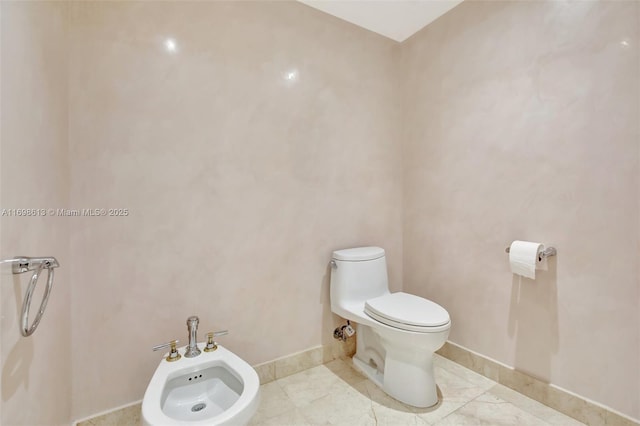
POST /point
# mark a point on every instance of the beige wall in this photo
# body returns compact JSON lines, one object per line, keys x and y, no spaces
{"x":36,"y":373}
{"x":522,"y":123}
{"x":239,"y":183}
{"x":511,"y":121}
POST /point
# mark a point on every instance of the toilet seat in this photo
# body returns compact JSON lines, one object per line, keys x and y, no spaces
{"x":407,"y":312}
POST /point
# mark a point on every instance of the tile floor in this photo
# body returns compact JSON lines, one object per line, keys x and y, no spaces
{"x":335,"y":394}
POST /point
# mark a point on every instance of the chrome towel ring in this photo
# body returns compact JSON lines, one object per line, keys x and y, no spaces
{"x":37,"y":264}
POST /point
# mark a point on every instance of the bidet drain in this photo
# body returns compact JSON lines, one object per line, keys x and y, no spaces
{"x":198,"y":407}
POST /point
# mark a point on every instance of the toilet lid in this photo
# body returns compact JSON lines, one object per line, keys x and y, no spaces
{"x":400,"y":308}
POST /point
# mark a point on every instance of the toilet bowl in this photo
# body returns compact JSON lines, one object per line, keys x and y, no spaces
{"x":213,"y":388}
{"x":397,"y":333}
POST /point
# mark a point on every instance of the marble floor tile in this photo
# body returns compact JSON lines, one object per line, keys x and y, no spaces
{"x":380,"y":398}
{"x":288,"y":418}
{"x":335,"y":394}
{"x":453,"y":393}
{"x":312,"y":384}
{"x":523,"y":402}
{"x":455,"y":388}
{"x":345,"y":371}
{"x":489,"y":410}
{"x":469,"y":375}
{"x":343,"y":406}
{"x":386,"y":410}
{"x":273,"y":402}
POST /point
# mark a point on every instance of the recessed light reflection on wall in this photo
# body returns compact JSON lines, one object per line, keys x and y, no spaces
{"x":170,"y":45}
{"x":291,"y":76}
{"x":625,"y":42}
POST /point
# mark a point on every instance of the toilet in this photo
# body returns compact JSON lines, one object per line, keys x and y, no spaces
{"x":397,"y":333}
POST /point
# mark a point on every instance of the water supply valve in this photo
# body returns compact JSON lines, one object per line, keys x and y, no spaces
{"x":344,"y":332}
{"x":348,"y":330}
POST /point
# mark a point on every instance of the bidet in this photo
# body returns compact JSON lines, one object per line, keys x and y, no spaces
{"x":214,"y":388}
{"x":201,"y":394}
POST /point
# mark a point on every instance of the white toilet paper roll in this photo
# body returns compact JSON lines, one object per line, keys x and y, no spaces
{"x":523,"y":258}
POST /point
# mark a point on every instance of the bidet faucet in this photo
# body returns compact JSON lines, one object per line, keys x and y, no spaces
{"x":192,"y":350}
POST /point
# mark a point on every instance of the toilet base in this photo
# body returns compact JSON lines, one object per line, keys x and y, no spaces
{"x":408,"y":384}
{"x":410,"y":379}
{"x":400,"y":364}
{"x":369,"y":371}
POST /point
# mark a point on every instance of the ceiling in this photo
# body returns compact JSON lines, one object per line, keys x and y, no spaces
{"x":396,"y":19}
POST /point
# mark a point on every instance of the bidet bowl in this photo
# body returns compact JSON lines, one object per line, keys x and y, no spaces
{"x":214,"y":388}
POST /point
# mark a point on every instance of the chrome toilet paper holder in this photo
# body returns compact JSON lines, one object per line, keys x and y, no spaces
{"x":548,"y":252}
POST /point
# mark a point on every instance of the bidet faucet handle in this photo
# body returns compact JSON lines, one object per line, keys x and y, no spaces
{"x":166,"y":345}
{"x":211,"y":345}
{"x":173,"y":352}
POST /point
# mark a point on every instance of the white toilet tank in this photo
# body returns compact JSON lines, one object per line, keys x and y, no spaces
{"x":359,"y":274}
